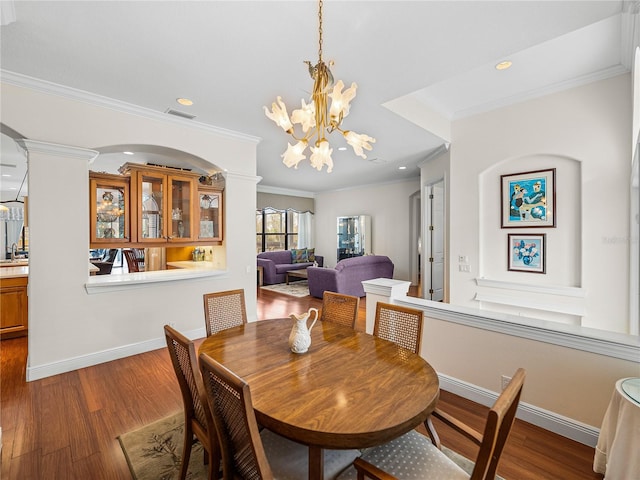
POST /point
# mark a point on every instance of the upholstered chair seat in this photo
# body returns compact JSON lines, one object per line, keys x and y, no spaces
{"x":411,"y":457}
{"x":290,"y":460}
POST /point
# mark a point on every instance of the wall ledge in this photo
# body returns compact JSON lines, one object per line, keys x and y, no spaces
{"x":114,"y":283}
{"x":532,"y":288}
{"x":601,"y":342}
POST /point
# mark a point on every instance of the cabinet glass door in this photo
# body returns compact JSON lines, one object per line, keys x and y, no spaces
{"x":109,"y":211}
{"x":181,"y":226}
{"x":152,"y":191}
{"x":210,"y":207}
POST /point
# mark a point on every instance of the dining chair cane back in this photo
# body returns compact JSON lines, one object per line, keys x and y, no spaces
{"x":426,"y":460}
{"x":198,"y":420}
{"x":132,"y":260}
{"x":247,"y":452}
{"x":398,"y":324}
{"x":339,"y":308}
{"x":224,"y":310}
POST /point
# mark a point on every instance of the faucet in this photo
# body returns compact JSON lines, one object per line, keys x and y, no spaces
{"x":14,"y":251}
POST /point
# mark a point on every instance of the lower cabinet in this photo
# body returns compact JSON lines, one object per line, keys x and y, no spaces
{"x":14,"y":313}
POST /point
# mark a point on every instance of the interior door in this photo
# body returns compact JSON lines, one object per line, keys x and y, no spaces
{"x":435,"y":242}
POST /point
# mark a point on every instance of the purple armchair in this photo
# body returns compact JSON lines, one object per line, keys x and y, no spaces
{"x":348,"y":275}
{"x":277,"y":263}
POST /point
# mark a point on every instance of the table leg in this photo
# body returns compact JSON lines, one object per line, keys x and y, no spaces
{"x":316,"y":463}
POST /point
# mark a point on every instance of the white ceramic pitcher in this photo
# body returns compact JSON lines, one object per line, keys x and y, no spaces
{"x":300,"y":336}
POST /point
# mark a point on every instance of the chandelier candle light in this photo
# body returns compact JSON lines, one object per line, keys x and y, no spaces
{"x":315,"y":118}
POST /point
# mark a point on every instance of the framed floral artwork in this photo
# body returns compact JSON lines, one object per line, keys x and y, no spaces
{"x":528,"y":199}
{"x":527,"y":253}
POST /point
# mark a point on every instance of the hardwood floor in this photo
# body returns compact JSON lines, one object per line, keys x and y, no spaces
{"x":66,"y":426}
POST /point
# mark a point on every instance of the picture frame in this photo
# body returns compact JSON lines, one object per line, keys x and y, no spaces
{"x":527,"y":252}
{"x":528,"y":199}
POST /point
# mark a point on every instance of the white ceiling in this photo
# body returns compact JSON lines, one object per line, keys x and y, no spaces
{"x":418,"y":65}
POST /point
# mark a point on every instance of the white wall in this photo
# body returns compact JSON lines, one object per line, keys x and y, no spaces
{"x":389,"y":207}
{"x":585,"y":133}
{"x":67,"y":326}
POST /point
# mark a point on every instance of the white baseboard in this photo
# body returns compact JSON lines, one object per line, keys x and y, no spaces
{"x":75,"y":363}
{"x":540,"y":417}
{"x":553,"y":422}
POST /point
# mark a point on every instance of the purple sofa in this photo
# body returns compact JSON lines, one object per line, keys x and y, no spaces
{"x":277,"y":263}
{"x":346,"y":278}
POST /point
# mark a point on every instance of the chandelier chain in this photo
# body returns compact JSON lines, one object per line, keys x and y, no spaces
{"x":320,"y":31}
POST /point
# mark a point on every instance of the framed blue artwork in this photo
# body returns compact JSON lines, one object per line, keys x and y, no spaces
{"x":528,"y":199}
{"x":527,"y":253}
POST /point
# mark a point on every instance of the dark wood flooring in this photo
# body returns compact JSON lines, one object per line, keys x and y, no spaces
{"x":66,"y":426}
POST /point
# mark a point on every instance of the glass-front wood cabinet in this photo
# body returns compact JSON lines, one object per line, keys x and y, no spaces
{"x":164,"y":204}
{"x":151,"y":206}
{"x":210,"y":214}
{"x":109,"y":209}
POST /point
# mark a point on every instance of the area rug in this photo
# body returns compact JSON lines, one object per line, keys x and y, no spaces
{"x":154,"y":452}
{"x":295,"y":289}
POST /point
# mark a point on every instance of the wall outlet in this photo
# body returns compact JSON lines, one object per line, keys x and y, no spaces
{"x":504,"y":381}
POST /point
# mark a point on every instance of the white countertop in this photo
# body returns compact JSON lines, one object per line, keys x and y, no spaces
{"x":189,"y":271}
{"x":14,"y":272}
{"x":191,"y":264}
{"x":21,"y":269}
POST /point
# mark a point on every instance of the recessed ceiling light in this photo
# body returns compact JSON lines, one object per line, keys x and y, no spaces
{"x":402,"y":168}
{"x":342,"y":148}
{"x":128,"y":153}
{"x":503,"y":65}
{"x":184,"y":101}
{"x":6,"y":175}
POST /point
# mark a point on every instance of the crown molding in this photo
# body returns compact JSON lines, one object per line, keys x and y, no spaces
{"x":435,"y":153}
{"x":284,"y":191}
{"x":44,"y":86}
{"x":541,"y":92}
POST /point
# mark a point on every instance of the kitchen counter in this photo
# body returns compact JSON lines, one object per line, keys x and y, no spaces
{"x":192,"y":265}
{"x":14,"y":272}
{"x":21,"y":269}
{"x":15,"y":263}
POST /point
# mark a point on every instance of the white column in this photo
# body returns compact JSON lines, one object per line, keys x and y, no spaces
{"x":58,"y":240}
{"x":382,"y":290}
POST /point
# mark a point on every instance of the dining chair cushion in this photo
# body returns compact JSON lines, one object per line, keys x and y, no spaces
{"x":410,"y":457}
{"x":290,"y":460}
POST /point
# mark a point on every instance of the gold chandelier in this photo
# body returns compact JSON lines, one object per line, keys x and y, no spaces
{"x":316,"y":118}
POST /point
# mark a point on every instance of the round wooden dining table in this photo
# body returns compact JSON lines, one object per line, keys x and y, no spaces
{"x":350,"y":390}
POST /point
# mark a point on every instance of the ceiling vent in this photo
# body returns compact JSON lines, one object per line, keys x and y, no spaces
{"x":178,"y":113}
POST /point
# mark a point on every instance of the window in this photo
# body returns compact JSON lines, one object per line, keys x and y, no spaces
{"x":276,"y":229}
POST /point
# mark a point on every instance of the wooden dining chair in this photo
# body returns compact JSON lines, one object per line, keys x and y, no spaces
{"x":198,"y":420}
{"x":398,"y":324}
{"x":339,"y":308}
{"x":414,"y":456}
{"x":132,"y":260}
{"x":224,"y":310}
{"x":250,"y":453}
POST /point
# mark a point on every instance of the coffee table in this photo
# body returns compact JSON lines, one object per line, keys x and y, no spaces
{"x":302,"y":273}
